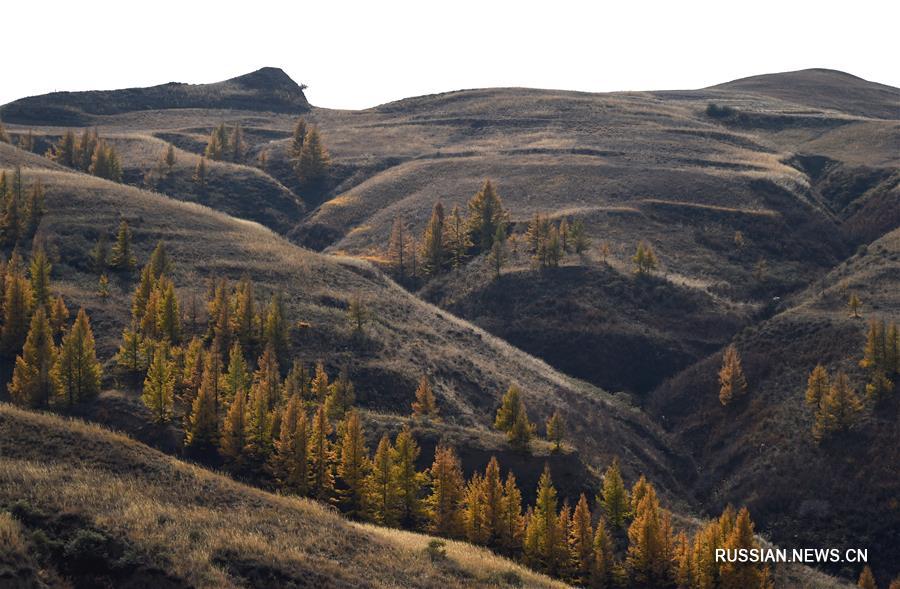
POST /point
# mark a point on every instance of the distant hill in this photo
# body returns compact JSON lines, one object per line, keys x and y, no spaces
{"x":267,"y":89}
{"x":824,"y":88}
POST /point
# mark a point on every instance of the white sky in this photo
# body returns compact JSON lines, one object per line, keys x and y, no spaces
{"x":360,"y":54}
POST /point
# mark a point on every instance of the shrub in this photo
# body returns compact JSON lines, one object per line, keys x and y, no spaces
{"x":436,"y":550}
{"x":12,"y":543}
{"x":87,"y":551}
{"x":715,"y":111}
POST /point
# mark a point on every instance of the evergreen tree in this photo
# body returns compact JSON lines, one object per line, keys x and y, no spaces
{"x":578,"y":237}
{"x":434,"y":256}
{"x":444,"y":504}
{"x":234,"y":431}
{"x":892,"y":350}
{"x":485,"y":216}
{"x":581,"y":541}
{"x":17,"y":306}
{"x":122,"y":257}
{"x":85,"y":148}
{"x":838,"y":410}
{"x":406,"y":480}
{"x":321,"y":458}
{"x":555,"y":430}
{"x":381,"y":485}
{"x":732,"y":383}
{"x":159,"y":386}
{"x":354,"y":466}
{"x":159,"y":263}
{"x":425,"y":405}
{"x":298,"y":138}
{"x":613,"y":496}
{"x":816,"y":386}
{"x":312,"y":165}
{"x":32,"y":381}
{"x":77,"y":371}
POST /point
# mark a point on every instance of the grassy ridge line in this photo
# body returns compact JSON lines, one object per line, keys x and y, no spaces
{"x":189,"y":520}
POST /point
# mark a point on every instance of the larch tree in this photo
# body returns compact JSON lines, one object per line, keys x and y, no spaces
{"x":425,"y":404}
{"x":397,"y":248}
{"x":32,"y":381}
{"x":59,"y":317}
{"x":603,"y":557}
{"x":203,"y":423}
{"x":77,"y":371}
{"x":234,"y":431}
{"x":520,"y":434}
{"x":493,"y":501}
{"x":456,"y":238}
{"x":407,"y":481}
{"x":267,"y":377}
{"x":473,"y":516}
{"x":321,"y":458}
{"x":732,"y":382}
{"x":341,"y":396}
{"x":320,"y":386}
{"x":297,"y":468}
{"x":816,"y":386}
{"x":613,"y":497}
{"x":312,"y":165}
{"x":839,"y":409}
{"x":122,"y":257}
{"x":854,"y":304}
{"x":17,"y":306}
{"x":498,"y":254}
{"x":159,"y":385}
{"x":512,"y":523}
{"x":644,"y":259}
{"x":555,"y":430}
{"x":358,"y":314}
{"x":485,"y":216}
{"x":737,"y":575}
{"x":238,"y":377}
{"x":169,"y":157}
{"x":867,"y":579}
{"x":236,"y":145}
{"x":434,"y":255}
{"x":275,"y":329}
{"x":509,"y":409}
{"x":578,"y":237}
{"x":581,"y":541}
{"x":259,"y":425}
{"x":40,"y":279}
{"x":645,"y":560}
{"x":297,"y":139}
{"x":354,"y":466}
{"x":200,"y":174}
{"x":444,"y":504}
{"x":168,"y":317}
{"x":552,"y":549}
{"x":63,"y":152}
{"x":381,"y":487}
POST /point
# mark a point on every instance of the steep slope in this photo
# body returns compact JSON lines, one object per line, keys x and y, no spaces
{"x":267,"y":89}
{"x":761,"y":450}
{"x":408,"y":338}
{"x":95,"y":508}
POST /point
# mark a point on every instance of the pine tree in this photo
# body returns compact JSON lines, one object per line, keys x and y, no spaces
{"x":77,"y":371}
{"x":122,"y":257}
{"x":159,"y":386}
{"x":382,"y":490}
{"x":200,"y":174}
{"x":816,"y":386}
{"x":509,"y":409}
{"x":485,"y":216}
{"x":312,"y":165}
{"x":32,"y":381}
{"x":735,"y":575}
{"x":613,"y":497}
{"x":425,"y":405}
{"x":321,"y":458}
{"x":581,"y":541}
{"x":434,"y":256}
{"x":732,"y":383}
{"x":838,"y":410}
{"x":354,"y":466}
{"x":456,"y":238}
{"x":867,"y":579}
{"x":407,"y":481}
{"x":234,"y":431}
{"x":444,"y":504}
{"x":555,"y":430}
{"x":854,"y":305}
{"x":298,"y":138}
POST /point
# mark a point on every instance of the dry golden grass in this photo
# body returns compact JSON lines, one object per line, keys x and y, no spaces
{"x":195,"y":524}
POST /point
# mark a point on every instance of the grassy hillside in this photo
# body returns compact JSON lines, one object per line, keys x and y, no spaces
{"x":94,"y":508}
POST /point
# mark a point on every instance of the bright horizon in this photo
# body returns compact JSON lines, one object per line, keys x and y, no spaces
{"x":358,"y":55}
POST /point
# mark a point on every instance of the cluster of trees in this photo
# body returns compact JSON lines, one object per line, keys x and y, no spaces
{"x":56,"y":363}
{"x":881,"y":357}
{"x":448,"y":241}
{"x":548,"y":242}
{"x":21,"y":209}
{"x":24,"y":141}
{"x":644,"y":259}
{"x":87,"y":153}
{"x":308,"y":155}
{"x":225,"y":144}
